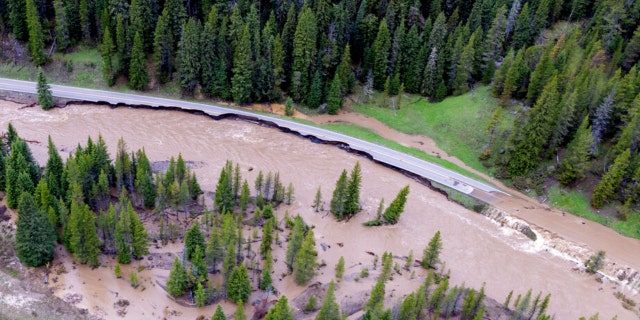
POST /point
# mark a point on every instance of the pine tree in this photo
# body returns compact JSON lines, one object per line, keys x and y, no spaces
{"x":344,"y":72}
{"x":85,"y":19}
{"x":304,"y":267}
{"x":303,"y":54}
{"x":35,"y":237}
{"x":143,"y":21}
{"x":536,"y":133}
{"x":610,"y":182}
{"x":239,"y":285}
{"x":352,"y":196}
{"x":431,"y":254}
{"x":334,"y":97}
{"x":178,"y":282}
{"x":295,"y":241}
{"x":193,"y":239}
{"x":219,"y":314}
{"x":123,"y":251}
{"x":339,"y":197}
{"x":265,"y":278}
{"x":392,"y":213}
{"x":315,"y":92}
{"x":200,"y":295}
{"x":632,"y":50}
{"x":280,"y":311}
{"x":575,"y":162}
{"x":522,"y":34}
{"x":241,"y":83}
{"x":138,"y":78}
{"x":107,"y":50}
{"x":330,"y":309}
{"x":36,"y":36}
{"x":139,"y":236}
{"x":465,"y":68}
{"x":189,"y":53}
{"x":239,"y":315}
{"x":267,"y":237}
{"x":224,"y":193}
{"x":45,"y":97}
{"x":340,"y":269}
{"x":163,"y":44}
{"x":515,"y":75}
{"x":84,"y":239}
{"x":18,"y":19}
{"x":381,"y":48}
{"x":62,"y":28}
{"x":317,"y":200}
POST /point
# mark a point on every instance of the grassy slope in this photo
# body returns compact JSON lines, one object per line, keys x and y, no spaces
{"x":458,"y":124}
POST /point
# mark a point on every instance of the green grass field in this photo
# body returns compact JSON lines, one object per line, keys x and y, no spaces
{"x":458,"y":124}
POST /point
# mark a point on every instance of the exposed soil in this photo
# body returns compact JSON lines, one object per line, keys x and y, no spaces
{"x":476,"y":249}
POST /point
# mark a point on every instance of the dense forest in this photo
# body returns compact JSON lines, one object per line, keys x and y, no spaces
{"x":567,"y":69}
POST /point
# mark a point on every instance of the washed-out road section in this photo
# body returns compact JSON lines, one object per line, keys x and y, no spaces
{"x":381,"y":154}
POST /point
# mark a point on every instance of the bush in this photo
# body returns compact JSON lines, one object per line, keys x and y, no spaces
{"x":364,"y":273}
{"x":595,"y":262}
{"x":312,"y":304}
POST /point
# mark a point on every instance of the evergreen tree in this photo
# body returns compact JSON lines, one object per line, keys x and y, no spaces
{"x":315,"y":93}
{"x":107,"y":49}
{"x":85,"y":19}
{"x":138,"y":78}
{"x":295,"y":241}
{"x":516,"y":74}
{"x":352,"y":197}
{"x":303,"y":54}
{"x":267,"y":237}
{"x":339,"y":197}
{"x":200,"y":296}
{"x":522,"y":35}
{"x":632,"y":50}
{"x":176,"y":16}
{"x":36,"y":36}
{"x":199,"y":265}
{"x":189,"y":55}
{"x":265,"y":278}
{"x":610,"y":182}
{"x":431,"y":254}
{"x":214,"y":251}
{"x":18,"y":19}
{"x":334,"y":97}
{"x":280,"y":311}
{"x":45,"y":97}
{"x":35,"y":237}
{"x":224,"y":193}
{"x":219,"y":314}
{"x":465,"y":68}
{"x":330,"y":309}
{"x":62,"y":28}
{"x":381,"y":48}
{"x":239,"y":315}
{"x":340,"y":269}
{"x":574,"y":164}
{"x":121,"y":236}
{"x":304,"y":267}
{"x":241,"y":83}
{"x":193,"y":239}
{"x":163,"y":44}
{"x":178,"y":282}
{"x":239,"y":285}
{"x":139,"y":236}
{"x":84,"y":239}
{"x":392,"y":213}
{"x":143,"y":21}
{"x":54,"y":171}
{"x":536,"y":133}
{"x":317,"y":200}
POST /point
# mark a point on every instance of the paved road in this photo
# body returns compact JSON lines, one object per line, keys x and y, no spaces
{"x":379,"y":153}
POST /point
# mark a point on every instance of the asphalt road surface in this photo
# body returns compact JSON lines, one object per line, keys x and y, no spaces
{"x":379,"y":153}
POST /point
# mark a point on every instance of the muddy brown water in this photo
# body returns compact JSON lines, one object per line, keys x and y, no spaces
{"x":476,"y":250}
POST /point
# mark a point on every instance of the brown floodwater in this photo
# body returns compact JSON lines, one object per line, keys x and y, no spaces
{"x":476,"y":250}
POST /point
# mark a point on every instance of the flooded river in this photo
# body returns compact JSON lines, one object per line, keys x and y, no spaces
{"x":476,"y":250}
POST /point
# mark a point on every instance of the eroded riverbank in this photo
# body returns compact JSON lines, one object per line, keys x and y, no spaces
{"x":476,"y":249}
